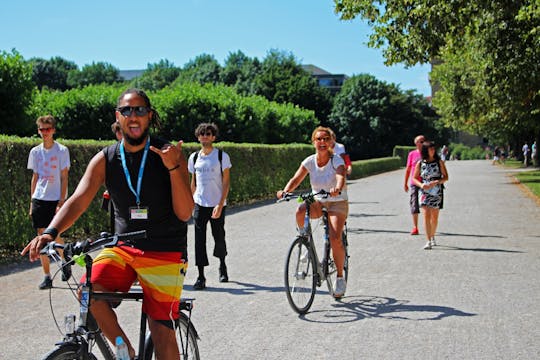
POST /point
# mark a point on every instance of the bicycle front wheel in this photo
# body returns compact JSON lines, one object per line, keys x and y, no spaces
{"x":332,"y":268}
{"x":66,"y":352}
{"x":300,"y":279}
{"x":186,"y":339}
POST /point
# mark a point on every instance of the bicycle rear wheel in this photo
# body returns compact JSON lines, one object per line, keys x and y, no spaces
{"x":332,"y":269}
{"x":186,"y":339}
{"x":300,"y":279}
{"x":66,"y":352}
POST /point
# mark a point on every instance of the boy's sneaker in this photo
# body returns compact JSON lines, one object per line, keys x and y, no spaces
{"x":432,"y":242}
{"x":427,"y":246}
{"x":414,"y":231}
{"x":223,"y":276}
{"x":66,"y":271}
{"x":46,"y":284}
{"x":341,"y":286}
{"x":200,"y":283}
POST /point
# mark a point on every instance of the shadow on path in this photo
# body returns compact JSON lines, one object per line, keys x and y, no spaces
{"x":241,"y":288}
{"x":447,"y":248}
{"x":354,"y":308}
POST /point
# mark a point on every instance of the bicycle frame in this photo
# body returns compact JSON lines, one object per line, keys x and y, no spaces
{"x":88,"y":332}
{"x":321,"y":266}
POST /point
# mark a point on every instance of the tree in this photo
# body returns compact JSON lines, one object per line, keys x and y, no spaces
{"x":94,"y":74}
{"x":203,"y":69}
{"x":370,"y":117}
{"x":488,"y":77}
{"x":157,"y":76}
{"x":51,"y":73}
{"x":283,"y":80}
{"x":239,"y":72}
{"x":16,"y":90}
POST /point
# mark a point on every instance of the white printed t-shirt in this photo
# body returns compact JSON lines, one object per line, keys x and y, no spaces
{"x":48,"y":164}
{"x":324,"y":178}
{"x":208,"y":177}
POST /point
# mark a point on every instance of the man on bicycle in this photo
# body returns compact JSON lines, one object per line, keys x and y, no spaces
{"x":148,"y":183}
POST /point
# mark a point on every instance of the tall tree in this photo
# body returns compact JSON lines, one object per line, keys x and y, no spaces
{"x":16,"y":90}
{"x":157,"y":76}
{"x":488,"y":77}
{"x":51,"y":73}
{"x":283,"y":80}
{"x":94,"y":74}
{"x":203,"y":69}
{"x":371,"y":116}
{"x":239,"y":71}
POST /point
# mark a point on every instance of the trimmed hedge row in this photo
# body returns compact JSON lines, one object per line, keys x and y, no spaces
{"x":257,"y":172}
{"x":402,"y":152}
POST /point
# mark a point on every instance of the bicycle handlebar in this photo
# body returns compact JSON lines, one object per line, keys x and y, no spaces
{"x":307,"y":196}
{"x":88,"y":245}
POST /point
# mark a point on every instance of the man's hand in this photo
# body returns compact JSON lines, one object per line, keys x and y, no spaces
{"x":34,"y":247}
{"x":170,"y":155}
{"x":216,"y":212}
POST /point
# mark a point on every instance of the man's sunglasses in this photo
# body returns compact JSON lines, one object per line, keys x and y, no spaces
{"x":128,"y":110}
{"x":45,"y":129}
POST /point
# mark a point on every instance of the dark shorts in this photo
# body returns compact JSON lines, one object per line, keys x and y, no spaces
{"x":42,"y":213}
{"x":413,"y":201}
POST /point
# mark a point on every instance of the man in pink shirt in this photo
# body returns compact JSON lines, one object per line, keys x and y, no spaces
{"x":413,"y":157}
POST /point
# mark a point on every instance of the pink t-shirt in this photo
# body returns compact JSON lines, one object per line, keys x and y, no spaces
{"x":412,"y":159}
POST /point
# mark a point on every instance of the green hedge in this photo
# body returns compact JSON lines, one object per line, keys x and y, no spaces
{"x":87,"y":113}
{"x":402,"y":151}
{"x":364,"y":168}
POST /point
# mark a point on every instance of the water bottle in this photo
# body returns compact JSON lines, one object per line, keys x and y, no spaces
{"x":122,"y":352}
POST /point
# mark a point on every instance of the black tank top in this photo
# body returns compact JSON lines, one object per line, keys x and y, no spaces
{"x":165,"y":232}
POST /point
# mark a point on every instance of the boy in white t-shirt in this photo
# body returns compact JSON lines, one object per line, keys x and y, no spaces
{"x":210,"y":183}
{"x":49,"y":162}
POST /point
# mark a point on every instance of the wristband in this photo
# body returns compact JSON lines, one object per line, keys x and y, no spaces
{"x":51,"y":231}
{"x":174,"y":168}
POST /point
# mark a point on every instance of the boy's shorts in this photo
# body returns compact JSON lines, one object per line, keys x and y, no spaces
{"x":42,"y":213}
{"x":160,"y":274}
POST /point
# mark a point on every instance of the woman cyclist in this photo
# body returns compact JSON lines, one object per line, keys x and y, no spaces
{"x":326,"y":172}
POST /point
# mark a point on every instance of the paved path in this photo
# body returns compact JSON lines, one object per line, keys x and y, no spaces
{"x":475,"y":296}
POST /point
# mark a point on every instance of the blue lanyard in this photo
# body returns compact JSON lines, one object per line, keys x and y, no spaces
{"x":141,"y":170}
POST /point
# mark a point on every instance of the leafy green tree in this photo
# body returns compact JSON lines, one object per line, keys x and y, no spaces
{"x":94,"y":74}
{"x":156,"y":76}
{"x":51,"y":73}
{"x":283,"y":80}
{"x":487,"y":54}
{"x":16,"y":90}
{"x":204,"y":69}
{"x":370,"y":117}
{"x":239,"y":71}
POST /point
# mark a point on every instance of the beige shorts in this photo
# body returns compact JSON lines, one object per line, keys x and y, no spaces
{"x":341,"y":207}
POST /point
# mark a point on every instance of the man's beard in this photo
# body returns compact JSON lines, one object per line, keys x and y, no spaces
{"x":138,"y":141}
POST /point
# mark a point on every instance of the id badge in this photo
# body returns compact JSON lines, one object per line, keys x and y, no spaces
{"x":138,"y":213}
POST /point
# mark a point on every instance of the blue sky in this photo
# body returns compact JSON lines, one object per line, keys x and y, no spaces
{"x":131,"y":34}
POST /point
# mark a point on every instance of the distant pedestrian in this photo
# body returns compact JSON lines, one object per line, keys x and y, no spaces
{"x":49,"y":162}
{"x":534,"y":154}
{"x":525,"y":150}
{"x":444,"y":153}
{"x":429,"y":175}
{"x":413,"y":157}
{"x":210,"y":184}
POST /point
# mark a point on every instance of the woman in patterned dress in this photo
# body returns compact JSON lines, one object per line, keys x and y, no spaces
{"x":432,"y":172}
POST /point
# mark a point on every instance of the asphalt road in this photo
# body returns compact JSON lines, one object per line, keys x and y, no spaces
{"x":474,"y":296}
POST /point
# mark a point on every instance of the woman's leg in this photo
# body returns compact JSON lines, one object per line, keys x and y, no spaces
{"x":337,"y":222}
{"x":434,"y":221}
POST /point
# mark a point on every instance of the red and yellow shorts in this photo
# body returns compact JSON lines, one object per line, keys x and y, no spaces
{"x":160,"y":274}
